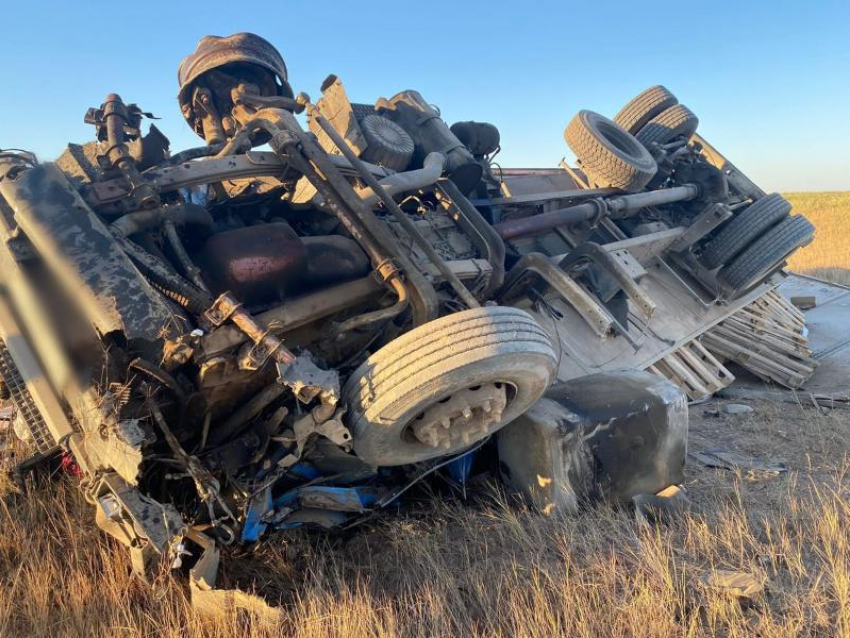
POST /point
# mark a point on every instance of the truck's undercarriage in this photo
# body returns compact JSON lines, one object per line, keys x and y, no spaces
{"x":230,"y":341}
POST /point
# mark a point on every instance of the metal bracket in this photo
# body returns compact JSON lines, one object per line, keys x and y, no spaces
{"x":602,"y":258}
{"x":588,"y":309}
{"x":710,"y":218}
{"x":221,"y":310}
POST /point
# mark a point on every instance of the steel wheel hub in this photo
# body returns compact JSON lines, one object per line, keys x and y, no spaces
{"x":462,"y":418}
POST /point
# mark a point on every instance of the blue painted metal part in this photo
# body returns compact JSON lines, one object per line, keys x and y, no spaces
{"x":305,"y":471}
{"x":254,"y":526}
{"x":461,"y":467}
{"x":331,"y":505}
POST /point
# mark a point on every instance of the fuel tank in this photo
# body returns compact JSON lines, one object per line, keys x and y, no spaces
{"x":258,"y":264}
{"x":270,"y":262}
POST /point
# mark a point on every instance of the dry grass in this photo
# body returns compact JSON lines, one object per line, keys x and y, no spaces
{"x":828,"y":256}
{"x":487,"y":568}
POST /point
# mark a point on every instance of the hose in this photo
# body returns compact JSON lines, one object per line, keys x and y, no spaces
{"x":432,"y":168}
{"x":194,"y":153}
{"x":165,"y":280}
{"x":390,"y":312}
{"x":181,"y":214}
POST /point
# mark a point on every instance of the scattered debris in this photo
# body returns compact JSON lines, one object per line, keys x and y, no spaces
{"x":737,"y":408}
{"x":804,"y":303}
{"x":663,"y":507}
{"x":730,"y":460}
{"x":803,"y":399}
{"x":738,"y":584}
{"x":215,"y":603}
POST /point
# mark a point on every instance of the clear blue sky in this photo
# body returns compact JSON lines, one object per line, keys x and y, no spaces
{"x":769,"y":80}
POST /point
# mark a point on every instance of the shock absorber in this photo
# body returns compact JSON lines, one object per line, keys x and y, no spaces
{"x":112,"y":121}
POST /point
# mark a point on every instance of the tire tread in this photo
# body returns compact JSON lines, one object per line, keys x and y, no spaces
{"x":645,"y":106}
{"x":767,"y":251}
{"x":746,"y":227}
{"x":667,"y":125}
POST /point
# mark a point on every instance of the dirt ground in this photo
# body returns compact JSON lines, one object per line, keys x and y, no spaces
{"x":487,"y":566}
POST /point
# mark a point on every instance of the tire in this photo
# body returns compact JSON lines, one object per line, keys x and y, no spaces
{"x":744,"y":228}
{"x":362,"y":111}
{"x":388,"y":144}
{"x":768,"y":251}
{"x":668,"y":125}
{"x":426,"y":367}
{"x":609,"y":155}
{"x":637,"y":113}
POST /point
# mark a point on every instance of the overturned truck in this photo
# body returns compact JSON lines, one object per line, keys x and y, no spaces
{"x":230,"y":341}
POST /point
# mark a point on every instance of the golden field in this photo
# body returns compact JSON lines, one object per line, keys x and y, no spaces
{"x":828,"y":256}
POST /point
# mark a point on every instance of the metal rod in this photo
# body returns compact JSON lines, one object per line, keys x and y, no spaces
{"x":189,"y":267}
{"x":617,"y":207}
{"x":394,"y":209}
{"x":536,"y":224}
{"x":621,"y":205}
{"x":228,"y":307}
{"x":236,"y":422}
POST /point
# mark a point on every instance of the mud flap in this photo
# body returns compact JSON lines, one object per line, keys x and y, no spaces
{"x":612,"y":436}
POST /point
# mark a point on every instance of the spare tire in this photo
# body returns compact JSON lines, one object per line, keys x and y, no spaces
{"x":446,"y":384}
{"x":609,"y":155}
{"x":388,"y":144}
{"x":668,"y":125}
{"x":744,"y":228}
{"x":645,"y":106}
{"x":767,"y":252}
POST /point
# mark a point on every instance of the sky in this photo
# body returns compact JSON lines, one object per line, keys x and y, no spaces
{"x":769,"y":80}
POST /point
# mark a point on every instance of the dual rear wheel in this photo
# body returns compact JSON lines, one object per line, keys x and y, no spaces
{"x":616,"y":153}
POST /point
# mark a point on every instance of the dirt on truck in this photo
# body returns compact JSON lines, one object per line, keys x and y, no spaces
{"x":290,"y":326}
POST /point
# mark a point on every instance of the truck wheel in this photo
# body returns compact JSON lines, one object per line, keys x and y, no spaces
{"x":768,"y":251}
{"x":635,"y":115}
{"x":446,"y":384}
{"x":388,"y":144}
{"x":668,"y":125}
{"x":608,"y":154}
{"x":744,"y":228}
